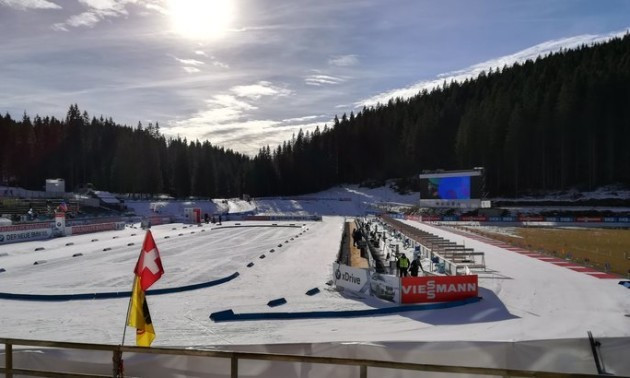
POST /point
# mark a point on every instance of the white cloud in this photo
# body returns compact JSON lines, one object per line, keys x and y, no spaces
{"x":262,"y":88}
{"x":473,"y":71}
{"x":87,"y":19}
{"x":227,"y":119}
{"x":202,"y":53}
{"x":191,"y":69}
{"x":246,"y":136}
{"x":300,"y":119}
{"x":220,"y":109}
{"x":100,"y":4}
{"x":190,"y":62}
{"x":216,"y":63}
{"x":231,"y":101}
{"x":98,"y":10}
{"x":155,"y":5}
{"x":343,"y":60}
{"x":29,"y":4}
{"x":319,"y":80}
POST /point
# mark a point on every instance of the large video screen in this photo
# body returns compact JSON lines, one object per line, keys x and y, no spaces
{"x":446,"y":188}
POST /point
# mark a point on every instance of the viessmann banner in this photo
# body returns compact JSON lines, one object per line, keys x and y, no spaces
{"x":438,"y":288}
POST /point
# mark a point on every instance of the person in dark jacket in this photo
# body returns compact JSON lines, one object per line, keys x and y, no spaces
{"x":356,"y":237}
{"x":415,"y":266}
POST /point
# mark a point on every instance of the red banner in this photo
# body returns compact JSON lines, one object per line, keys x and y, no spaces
{"x":24,"y":227}
{"x":88,"y":228}
{"x":438,"y":288}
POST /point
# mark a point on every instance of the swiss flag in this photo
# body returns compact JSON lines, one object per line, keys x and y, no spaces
{"x":149,"y":266}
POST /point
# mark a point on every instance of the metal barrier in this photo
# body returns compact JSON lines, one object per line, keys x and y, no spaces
{"x":452,"y":259}
{"x":234,"y":357}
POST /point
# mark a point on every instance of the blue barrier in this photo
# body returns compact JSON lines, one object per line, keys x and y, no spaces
{"x":276,"y":302}
{"x":113,"y":294}
{"x":312,"y":292}
{"x":230,"y":316}
{"x":625,"y":284}
{"x":2,"y":270}
{"x":250,"y":264}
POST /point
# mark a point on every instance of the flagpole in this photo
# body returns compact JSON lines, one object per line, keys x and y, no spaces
{"x":129,"y":308}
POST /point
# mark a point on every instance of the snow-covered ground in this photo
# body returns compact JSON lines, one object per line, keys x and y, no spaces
{"x":350,"y":200}
{"x":524,"y":299}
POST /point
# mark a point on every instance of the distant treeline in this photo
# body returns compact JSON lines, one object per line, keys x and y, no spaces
{"x":114,"y":157}
{"x":559,"y":122}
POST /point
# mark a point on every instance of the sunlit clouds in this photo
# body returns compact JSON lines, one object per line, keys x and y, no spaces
{"x":319,"y":80}
{"x":244,"y":74}
{"x":344,"y":60}
{"x":30,"y":4}
{"x":201,"y":19}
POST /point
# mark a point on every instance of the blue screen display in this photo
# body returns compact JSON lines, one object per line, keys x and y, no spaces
{"x":449,"y":188}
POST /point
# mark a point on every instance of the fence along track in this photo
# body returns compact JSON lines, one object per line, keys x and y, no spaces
{"x":234,"y":357}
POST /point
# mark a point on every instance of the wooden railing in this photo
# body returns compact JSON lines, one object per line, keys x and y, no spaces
{"x":9,"y":370}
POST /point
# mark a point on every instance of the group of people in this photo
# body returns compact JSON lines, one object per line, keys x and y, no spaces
{"x":406,"y":267}
{"x":356,"y":237}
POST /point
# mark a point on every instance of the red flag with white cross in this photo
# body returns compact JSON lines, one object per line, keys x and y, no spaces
{"x":149,"y":266}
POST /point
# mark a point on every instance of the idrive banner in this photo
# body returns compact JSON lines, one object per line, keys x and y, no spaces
{"x":349,"y":278}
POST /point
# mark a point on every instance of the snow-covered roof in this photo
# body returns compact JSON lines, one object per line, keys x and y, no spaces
{"x":106,"y":197}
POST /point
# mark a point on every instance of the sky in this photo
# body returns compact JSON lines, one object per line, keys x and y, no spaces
{"x":248,"y":73}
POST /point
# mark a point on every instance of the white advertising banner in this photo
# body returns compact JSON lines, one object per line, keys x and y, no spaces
{"x":385,"y":286}
{"x":349,"y":278}
{"x":19,"y":235}
{"x":60,"y":222}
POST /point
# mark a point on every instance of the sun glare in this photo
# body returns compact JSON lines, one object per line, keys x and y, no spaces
{"x":201,"y":19}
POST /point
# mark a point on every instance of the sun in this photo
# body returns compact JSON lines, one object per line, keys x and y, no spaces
{"x":201,"y":19}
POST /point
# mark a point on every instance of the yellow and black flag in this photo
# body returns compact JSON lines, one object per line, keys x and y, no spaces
{"x":148,"y":270}
{"x":139,"y":316}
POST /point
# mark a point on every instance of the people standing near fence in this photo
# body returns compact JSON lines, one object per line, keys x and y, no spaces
{"x":403,"y":265}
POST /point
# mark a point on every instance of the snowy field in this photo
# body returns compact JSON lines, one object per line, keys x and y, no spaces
{"x":524,"y":299}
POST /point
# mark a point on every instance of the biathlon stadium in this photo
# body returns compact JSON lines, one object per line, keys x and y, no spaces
{"x":280,"y":288}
